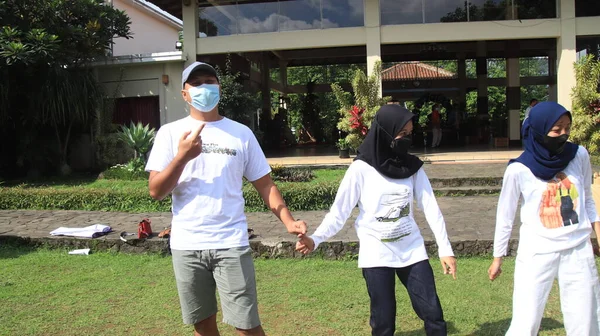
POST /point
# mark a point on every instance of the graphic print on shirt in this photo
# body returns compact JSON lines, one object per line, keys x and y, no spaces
{"x":208,"y":148}
{"x":559,"y":202}
{"x":395,"y":223}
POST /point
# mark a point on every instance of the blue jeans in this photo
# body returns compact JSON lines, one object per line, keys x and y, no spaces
{"x":419,"y":282}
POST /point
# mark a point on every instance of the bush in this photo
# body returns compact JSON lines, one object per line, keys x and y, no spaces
{"x":286,"y":174}
{"x":133,"y":170}
{"x":586,"y":105}
{"x":298,"y":196}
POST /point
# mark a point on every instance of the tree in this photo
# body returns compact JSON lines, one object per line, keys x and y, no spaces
{"x":358,"y":110}
{"x":46,"y":47}
{"x":235,"y":103}
{"x":586,"y":104}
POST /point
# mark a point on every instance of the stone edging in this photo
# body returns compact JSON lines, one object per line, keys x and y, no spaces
{"x":335,"y":250}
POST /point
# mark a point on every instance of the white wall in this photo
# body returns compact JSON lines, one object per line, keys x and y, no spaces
{"x":150,"y":34}
{"x":139,"y":80}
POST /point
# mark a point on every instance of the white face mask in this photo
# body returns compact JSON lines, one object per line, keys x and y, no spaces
{"x":204,"y":97}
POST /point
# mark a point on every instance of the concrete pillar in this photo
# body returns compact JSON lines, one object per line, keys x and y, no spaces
{"x":552,"y":93}
{"x":373,"y":29}
{"x":481,"y":64}
{"x":513,"y":100}
{"x":283,"y":74}
{"x":266,"y":91}
{"x":191,"y":19}
{"x":462,"y":81}
{"x":175,"y":106}
{"x":566,"y":53}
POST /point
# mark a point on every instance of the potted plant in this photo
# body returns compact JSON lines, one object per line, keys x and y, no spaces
{"x":344,"y":148}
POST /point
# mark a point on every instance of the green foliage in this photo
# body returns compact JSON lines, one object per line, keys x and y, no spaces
{"x":342,"y":144}
{"x":235,"y":102}
{"x":133,"y":170}
{"x":298,"y":196}
{"x":112,"y":150}
{"x":586,"y":104}
{"x":366,"y":97}
{"x":58,"y":32}
{"x":45,"y":48}
{"x":138,"y":137}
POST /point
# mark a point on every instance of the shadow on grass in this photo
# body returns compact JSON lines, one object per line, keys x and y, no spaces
{"x":496,"y":328}
{"x":10,"y":248}
{"x":500,"y":327}
{"x":420,"y":332}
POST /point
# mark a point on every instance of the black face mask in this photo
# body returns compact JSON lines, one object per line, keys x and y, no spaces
{"x":401,"y":146}
{"x":555,"y":145}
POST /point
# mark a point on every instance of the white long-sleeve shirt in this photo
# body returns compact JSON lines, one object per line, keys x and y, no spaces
{"x":548,"y":223}
{"x":386,"y":229}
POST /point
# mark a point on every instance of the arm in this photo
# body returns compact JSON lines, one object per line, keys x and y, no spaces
{"x":270,"y":194}
{"x":163,"y":182}
{"x":590,"y":205}
{"x":506,"y":211}
{"x":346,"y":199}
{"x":426,"y":201}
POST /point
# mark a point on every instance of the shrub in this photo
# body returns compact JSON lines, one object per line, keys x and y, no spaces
{"x":286,"y":174}
{"x":586,"y":104}
{"x":298,"y":196}
{"x":122,"y":172}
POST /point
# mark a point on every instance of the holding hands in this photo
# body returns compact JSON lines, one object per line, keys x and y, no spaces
{"x":305,"y":244}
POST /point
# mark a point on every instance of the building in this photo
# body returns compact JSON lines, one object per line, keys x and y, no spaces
{"x":143,"y":74}
{"x":264,"y":35}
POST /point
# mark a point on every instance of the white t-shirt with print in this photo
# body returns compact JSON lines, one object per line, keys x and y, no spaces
{"x":555,"y":215}
{"x":208,"y":204}
{"x":386,"y":229}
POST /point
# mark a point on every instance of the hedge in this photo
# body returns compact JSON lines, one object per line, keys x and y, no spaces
{"x":298,"y":196}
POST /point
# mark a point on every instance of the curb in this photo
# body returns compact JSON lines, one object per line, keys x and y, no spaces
{"x":265,"y":248}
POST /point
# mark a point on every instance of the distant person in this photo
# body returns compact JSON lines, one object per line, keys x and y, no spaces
{"x":532,"y":103}
{"x":436,"y":125}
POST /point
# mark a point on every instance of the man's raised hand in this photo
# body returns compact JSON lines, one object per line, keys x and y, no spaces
{"x":190,"y":144}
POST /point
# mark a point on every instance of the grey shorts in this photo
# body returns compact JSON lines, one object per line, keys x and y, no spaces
{"x":230,"y":271}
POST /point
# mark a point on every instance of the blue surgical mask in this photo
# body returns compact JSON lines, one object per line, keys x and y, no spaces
{"x":204,"y":97}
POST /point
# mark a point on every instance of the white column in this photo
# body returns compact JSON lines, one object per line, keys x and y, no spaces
{"x":566,"y":53}
{"x":373,"y":29}
{"x":191,"y":18}
{"x":174,"y":105}
{"x":513,"y":90}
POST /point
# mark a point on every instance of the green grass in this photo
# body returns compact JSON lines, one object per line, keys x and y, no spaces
{"x":52,"y":293}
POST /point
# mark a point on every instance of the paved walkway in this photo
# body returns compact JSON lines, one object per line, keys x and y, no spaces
{"x":433,"y":156}
{"x":467,"y":218}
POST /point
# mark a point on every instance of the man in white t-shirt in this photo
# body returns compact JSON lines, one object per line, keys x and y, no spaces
{"x":202,"y":160}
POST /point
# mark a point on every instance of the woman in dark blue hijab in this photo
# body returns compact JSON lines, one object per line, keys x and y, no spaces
{"x":553,"y":179}
{"x":546,"y":155}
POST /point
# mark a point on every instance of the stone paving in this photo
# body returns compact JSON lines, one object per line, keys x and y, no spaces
{"x":469,"y":220}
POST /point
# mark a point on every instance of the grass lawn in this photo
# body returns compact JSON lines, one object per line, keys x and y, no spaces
{"x":48,"y":292}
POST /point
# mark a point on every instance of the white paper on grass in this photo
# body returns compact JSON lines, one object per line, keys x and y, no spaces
{"x":80,"y":251}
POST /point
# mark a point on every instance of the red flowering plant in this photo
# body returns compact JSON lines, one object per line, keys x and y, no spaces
{"x":358,"y":109}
